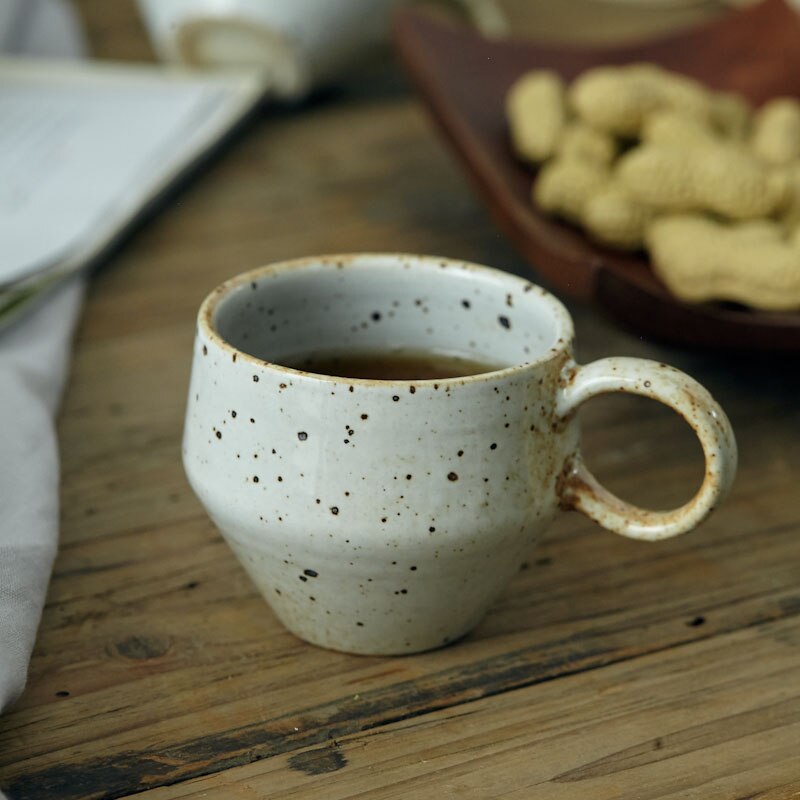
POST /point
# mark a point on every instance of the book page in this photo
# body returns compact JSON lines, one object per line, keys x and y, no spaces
{"x":78,"y":158}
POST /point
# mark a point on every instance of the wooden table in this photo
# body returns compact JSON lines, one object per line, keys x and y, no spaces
{"x":608,"y":669}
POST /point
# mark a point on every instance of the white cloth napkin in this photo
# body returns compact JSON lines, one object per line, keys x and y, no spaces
{"x":34,"y":355}
{"x":40,"y":29}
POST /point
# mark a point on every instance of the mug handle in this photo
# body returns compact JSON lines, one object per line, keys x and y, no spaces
{"x":580,"y":490}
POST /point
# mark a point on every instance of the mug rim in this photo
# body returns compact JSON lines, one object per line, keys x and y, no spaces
{"x":206,"y":326}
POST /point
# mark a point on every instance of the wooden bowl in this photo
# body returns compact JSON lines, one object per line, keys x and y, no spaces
{"x":463,"y":77}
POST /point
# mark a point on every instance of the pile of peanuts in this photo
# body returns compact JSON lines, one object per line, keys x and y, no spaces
{"x":644,"y":158}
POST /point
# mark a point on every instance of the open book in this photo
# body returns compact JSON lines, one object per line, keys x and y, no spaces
{"x":85,"y":147}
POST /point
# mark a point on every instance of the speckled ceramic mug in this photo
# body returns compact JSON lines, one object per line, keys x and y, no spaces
{"x":384,"y":517}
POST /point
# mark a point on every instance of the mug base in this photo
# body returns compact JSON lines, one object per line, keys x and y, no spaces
{"x":384,"y":648}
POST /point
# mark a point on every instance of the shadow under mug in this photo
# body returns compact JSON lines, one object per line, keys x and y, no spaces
{"x":385,"y":516}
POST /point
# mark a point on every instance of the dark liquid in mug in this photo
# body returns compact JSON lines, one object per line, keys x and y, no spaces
{"x":391,"y":366}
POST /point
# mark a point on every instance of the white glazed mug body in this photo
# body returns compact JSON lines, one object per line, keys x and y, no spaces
{"x":378,"y":516}
{"x":384,"y":517}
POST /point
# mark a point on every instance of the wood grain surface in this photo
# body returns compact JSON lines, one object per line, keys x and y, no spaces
{"x":608,"y":669}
